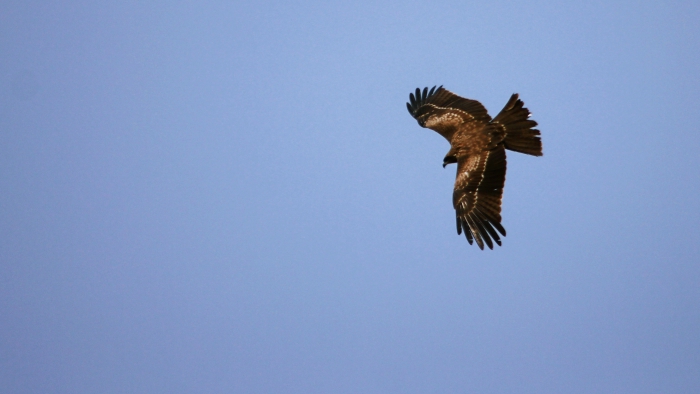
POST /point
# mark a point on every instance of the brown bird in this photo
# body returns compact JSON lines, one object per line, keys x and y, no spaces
{"x":478,"y":145}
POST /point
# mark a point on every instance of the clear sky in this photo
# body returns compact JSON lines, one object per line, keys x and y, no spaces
{"x":223,"y":197}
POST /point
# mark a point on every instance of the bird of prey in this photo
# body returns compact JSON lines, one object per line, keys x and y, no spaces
{"x":478,"y":145}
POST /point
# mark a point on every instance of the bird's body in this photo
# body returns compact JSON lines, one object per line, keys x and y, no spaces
{"x":477,"y":145}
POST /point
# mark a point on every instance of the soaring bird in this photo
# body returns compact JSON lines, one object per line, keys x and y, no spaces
{"x":478,"y":145}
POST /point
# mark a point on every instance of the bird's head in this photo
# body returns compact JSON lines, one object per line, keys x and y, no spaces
{"x":448,"y":160}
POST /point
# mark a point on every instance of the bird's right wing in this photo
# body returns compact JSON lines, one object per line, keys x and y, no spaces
{"x":477,"y":196}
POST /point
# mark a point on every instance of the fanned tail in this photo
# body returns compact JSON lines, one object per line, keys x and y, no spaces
{"x":521,"y":136}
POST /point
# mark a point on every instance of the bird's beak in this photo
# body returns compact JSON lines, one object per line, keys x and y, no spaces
{"x":448,"y":160}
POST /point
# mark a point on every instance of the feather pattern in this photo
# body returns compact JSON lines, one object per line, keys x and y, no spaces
{"x":477,"y":195}
{"x":478,"y":145}
{"x":442,"y":98}
{"x":419,"y":99}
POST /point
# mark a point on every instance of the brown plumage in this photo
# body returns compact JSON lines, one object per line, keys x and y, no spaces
{"x":478,"y":145}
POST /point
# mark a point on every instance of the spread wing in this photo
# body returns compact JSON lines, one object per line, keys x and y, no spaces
{"x":442,"y":110}
{"x":477,"y":196}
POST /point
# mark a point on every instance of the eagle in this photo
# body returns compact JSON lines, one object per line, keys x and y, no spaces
{"x":478,"y":146}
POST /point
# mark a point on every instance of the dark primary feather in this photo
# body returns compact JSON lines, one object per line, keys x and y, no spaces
{"x":419,"y":99}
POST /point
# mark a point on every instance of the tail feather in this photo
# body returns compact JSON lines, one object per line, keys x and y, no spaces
{"x":521,"y":136}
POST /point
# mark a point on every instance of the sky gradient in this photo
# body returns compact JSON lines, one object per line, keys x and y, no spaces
{"x":230,"y":197}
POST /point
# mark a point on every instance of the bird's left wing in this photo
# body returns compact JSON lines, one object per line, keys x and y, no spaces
{"x":444,"y":111}
{"x":477,"y":196}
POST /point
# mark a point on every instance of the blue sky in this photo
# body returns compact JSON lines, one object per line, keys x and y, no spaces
{"x":231,"y":197}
